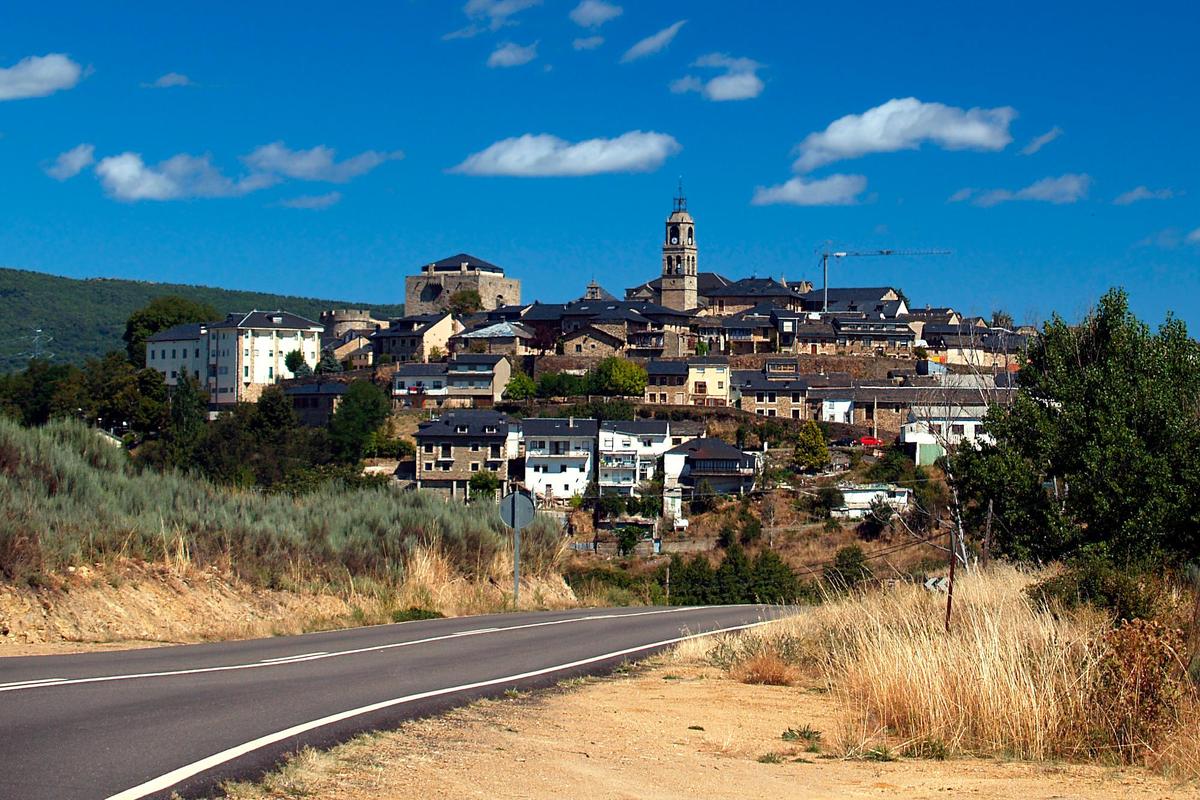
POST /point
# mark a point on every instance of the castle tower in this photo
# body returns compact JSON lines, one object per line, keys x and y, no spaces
{"x":679,"y":257}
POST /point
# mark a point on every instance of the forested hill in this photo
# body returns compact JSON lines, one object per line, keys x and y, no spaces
{"x":87,"y":317}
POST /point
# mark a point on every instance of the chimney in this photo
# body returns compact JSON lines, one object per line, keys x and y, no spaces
{"x":570,"y":422}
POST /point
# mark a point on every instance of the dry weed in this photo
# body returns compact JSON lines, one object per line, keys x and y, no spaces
{"x":765,"y":668}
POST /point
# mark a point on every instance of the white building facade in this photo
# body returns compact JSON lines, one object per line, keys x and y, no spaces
{"x":931,"y":430}
{"x":629,"y":453}
{"x":178,"y":351}
{"x":559,"y":457}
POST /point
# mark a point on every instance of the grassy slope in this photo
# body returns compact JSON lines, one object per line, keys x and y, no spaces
{"x":87,"y":317}
{"x":68,"y":498}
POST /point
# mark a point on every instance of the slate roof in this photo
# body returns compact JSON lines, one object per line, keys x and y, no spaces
{"x":419,"y":370}
{"x":336,"y":388}
{"x":476,"y":358}
{"x":637,"y":427}
{"x":559,"y":426}
{"x":755,"y":381}
{"x":755,"y":287}
{"x":544,"y":312}
{"x":846,"y":293}
{"x":412,"y":325}
{"x":659,"y":366}
{"x":498,"y":330}
{"x":451,"y":264}
{"x":474,"y":420}
{"x":708,"y":361}
{"x":710,"y":448}
{"x":267,"y":319}
{"x":706,"y":283}
{"x":178,"y":333}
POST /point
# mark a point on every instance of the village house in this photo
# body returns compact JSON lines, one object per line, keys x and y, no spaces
{"x":416,"y":337}
{"x":559,"y":457}
{"x":477,"y":379}
{"x":179,"y":351}
{"x":857,"y":500}
{"x":498,"y":338}
{"x":747,"y":293}
{"x":931,"y":430}
{"x":705,"y":464}
{"x":629,"y":452}
{"x":764,"y":394}
{"x":314,"y":403}
{"x":708,"y":381}
{"x":458,"y":445}
{"x":420,"y":385}
{"x":666,"y":382}
{"x":875,"y":301}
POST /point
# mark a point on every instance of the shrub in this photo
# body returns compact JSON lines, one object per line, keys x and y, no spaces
{"x":627,"y":540}
{"x":414,"y":613}
{"x":1095,"y":581}
{"x":849,"y":568}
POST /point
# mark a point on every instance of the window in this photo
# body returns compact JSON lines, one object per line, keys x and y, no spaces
{"x":172,"y":352}
{"x":428,"y":448}
{"x":761,"y":397}
{"x":494,"y":451}
{"x":958,"y":430}
{"x":270,"y":373}
{"x":151,"y":355}
{"x":245,"y":372}
{"x":578,"y":348}
{"x":446,"y":466}
{"x":474,"y":466}
{"x":474,"y":447}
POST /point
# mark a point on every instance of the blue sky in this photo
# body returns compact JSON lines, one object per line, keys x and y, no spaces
{"x":330,"y":150}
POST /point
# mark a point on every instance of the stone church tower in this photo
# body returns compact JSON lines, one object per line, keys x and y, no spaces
{"x":679,"y":258}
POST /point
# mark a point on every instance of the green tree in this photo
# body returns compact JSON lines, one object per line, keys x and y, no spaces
{"x":878,"y":518}
{"x":701,"y":348}
{"x":484,"y":484}
{"x":772,"y":580}
{"x":520,"y":387}
{"x":618,"y":376}
{"x":296,"y":364}
{"x":810,"y":451}
{"x":734,"y":577}
{"x":185,"y":427}
{"x":464,"y":301}
{"x":161,"y":313}
{"x":363,"y":409}
{"x":627,"y":540}
{"x":849,"y":568}
{"x":1002,"y":319}
{"x":1097,"y":452}
{"x":328,"y":364}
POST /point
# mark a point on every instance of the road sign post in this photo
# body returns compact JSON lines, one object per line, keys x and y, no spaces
{"x":516,"y":511}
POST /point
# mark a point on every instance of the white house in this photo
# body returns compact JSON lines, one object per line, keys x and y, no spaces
{"x":709,"y":462}
{"x":246,"y":352}
{"x":178,"y":351}
{"x":559,"y":457}
{"x":931,"y":429}
{"x":630,"y":450}
{"x":838,"y":409}
{"x":857,"y":500}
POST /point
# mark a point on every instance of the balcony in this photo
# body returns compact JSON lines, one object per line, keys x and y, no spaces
{"x":721,"y":468}
{"x":563,"y":452}
{"x":618,"y":462}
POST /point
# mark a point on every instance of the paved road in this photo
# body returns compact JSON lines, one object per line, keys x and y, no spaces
{"x":144,"y":723}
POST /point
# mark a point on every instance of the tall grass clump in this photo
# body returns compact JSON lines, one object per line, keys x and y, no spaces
{"x":68,"y":497}
{"x":1012,"y":678}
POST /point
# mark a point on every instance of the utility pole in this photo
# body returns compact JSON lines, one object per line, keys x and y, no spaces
{"x":950,"y":587}
{"x":987,"y":537}
{"x":826,"y":254}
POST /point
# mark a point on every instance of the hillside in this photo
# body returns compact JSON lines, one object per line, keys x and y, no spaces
{"x":87,"y":317}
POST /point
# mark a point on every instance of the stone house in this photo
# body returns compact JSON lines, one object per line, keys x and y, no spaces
{"x":458,"y":445}
{"x":415,"y":337}
{"x":497,"y":338}
{"x":314,"y":403}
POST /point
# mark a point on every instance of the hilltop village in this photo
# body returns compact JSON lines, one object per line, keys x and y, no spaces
{"x":492,"y":382}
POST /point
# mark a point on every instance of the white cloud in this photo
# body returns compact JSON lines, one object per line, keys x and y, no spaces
{"x":653,"y":44}
{"x":170,"y":80}
{"x":316,"y":164}
{"x":38,"y":76}
{"x":127,"y":177}
{"x":594,"y":13}
{"x":313,"y":202}
{"x":511,"y":54}
{"x":738,"y":81}
{"x":544,"y":155}
{"x":1069,"y":188}
{"x":496,"y":13}
{"x":72,"y":162}
{"x":588,"y":43}
{"x":961,"y":195}
{"x":1194,"y":237}
{"x":835,"y":190}
{"x":1142,"y":193}
{"x":904,"y":124}
{"x":1041,"y":141}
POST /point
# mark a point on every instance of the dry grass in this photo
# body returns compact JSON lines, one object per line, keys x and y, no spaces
{"x":767,"y":668}
{"x":1010,"y":679}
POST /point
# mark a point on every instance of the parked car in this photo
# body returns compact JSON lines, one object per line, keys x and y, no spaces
{"x":870,"y":441}
{"x":845,"y":441}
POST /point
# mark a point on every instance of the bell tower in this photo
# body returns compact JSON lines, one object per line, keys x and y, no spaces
{"x":679,"y":257}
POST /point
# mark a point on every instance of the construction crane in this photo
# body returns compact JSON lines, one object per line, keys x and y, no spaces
{"x":827,"y":254}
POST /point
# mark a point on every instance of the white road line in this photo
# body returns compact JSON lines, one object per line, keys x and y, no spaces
{"x":375,"y":648}
{"x":297,"y":657}
{"x":23,"y":684}
{"x":166,"y":781}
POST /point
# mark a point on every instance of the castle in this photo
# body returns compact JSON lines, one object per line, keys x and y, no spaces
{"x":431,"y":291}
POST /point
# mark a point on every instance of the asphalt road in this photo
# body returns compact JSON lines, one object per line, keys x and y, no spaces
{"x":146,"y":723}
